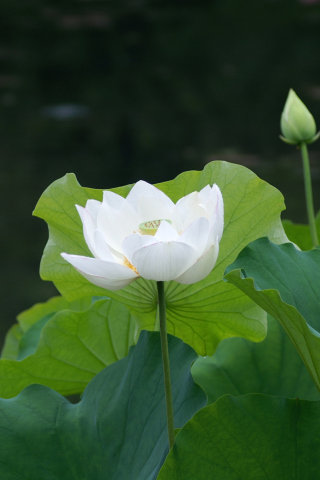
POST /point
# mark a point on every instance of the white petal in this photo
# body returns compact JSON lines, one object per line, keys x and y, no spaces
{"x":144,"y":188}
{"x":134,"y":242}
{"x":196,"y":235}
{"x":193,"y":214}
{"x":166,"y":233}
{"x":185,"y":203}
{"x":102,"y":248}
{"x":117,"y":225}
{"x":93,"y":207}
{"x":220,"y":212}
{"x":80,"y":211}
{"x":211,"y":203}
{"x":187,"y":209}
{"x":153,"y":208}
{"x":164,"y":260}
{"x":118,"y":256}
{"x":214,"y":206}
{"x":200,"y":269}
{"x":113,"y":200}
{"x":109,"y":275}
{"x":205,"y":192}
{"x":89,"y":227}
{"x":213,"y":232}
{"x":216,"y":217}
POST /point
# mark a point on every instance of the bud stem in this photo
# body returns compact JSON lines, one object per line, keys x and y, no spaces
{"x":165,"y":361}
{"x":308,"y":192}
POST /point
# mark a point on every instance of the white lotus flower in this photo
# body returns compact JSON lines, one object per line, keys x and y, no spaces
{"x":147,"y":235}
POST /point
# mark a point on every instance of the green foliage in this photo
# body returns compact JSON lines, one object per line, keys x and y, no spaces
{"x":19,"y":343}
{"x":201,"y":314}
{"x":10,"y":349}
{"x":29,"y":317}
{"x":300,"y":234}
{"x":26,"y":320}
{"x":250,"y":437}
{"x":116,"y":431}
{"x":286,"y":283}
{"x":133,"y":69}
{"x":240,"y":367}
{"x":65,"y":349}
{"x":30,"y":339}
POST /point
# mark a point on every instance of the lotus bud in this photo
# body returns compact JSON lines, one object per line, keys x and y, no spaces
{"x":297,"y":123}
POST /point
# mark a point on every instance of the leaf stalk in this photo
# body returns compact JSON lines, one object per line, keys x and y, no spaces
{"x":308,"y":193}
{"x":165,"y":361}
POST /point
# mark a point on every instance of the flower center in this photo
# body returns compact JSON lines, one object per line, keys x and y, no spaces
{"x":151,"y":227}
{"x":129,"y":265}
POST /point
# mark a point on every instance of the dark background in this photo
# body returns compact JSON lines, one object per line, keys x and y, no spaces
{"x":118,"y":91}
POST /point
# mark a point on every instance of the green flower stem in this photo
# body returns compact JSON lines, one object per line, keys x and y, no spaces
{"x":157,"y":322}
{"x":308,"y":191}
{"x":165,"y":361}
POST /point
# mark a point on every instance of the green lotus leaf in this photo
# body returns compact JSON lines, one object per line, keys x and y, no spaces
{"x":201,"y":314}
{"x":10,"y":348}
{"x":249,"y":437}
{"x":300,"y":234}
{"x":286,"y":283}
{"x":28,"y":317}
{"x":66,"y":350}
{"x":117,"y":430}
{"x":19,"y":342}
{"x":240,"y":367}
{"x":30,"y":339}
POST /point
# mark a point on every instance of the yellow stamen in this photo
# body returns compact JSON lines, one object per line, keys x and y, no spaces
{"x":126,"y":263}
